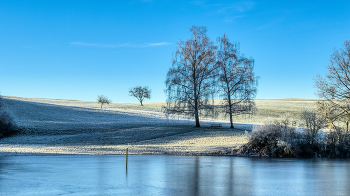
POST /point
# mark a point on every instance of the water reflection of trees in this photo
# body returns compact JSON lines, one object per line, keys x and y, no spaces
{"x":215,"y":176}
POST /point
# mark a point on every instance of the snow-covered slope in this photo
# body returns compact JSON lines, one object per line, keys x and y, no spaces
{"x":81,"y":127}
{"x":73,"y":115}
{"x":53,"y":114}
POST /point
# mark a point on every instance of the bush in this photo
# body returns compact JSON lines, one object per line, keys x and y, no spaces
{"x":7,"y":126}
{"x":276,"y":139}
{"x":312,"y":123}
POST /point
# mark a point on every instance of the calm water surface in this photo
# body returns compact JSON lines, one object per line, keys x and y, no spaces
{"x":172,"y":175}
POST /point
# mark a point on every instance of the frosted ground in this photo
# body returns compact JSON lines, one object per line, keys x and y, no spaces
{"x":81,"y":127}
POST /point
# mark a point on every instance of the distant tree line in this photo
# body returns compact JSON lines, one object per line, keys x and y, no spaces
{"x":202,"y":71}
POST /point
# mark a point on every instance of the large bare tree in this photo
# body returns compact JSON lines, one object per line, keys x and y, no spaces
{"x":140,"y":93}
{"x":237,"y":81}
{"x":334,"y":88}
{"x":190,"y":81}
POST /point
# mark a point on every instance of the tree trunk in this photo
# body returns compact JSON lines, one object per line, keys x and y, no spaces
{"x":197,"y":118}
{"x":141,"y":103}
{"x":195,"y":98}
{"x":231,"y":121}
{"x":196,"y":111}
{"x":229,"y":104}
{"x":101,"y":105}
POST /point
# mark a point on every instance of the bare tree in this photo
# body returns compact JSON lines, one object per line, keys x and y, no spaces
{"x":103,"y":100}
{"x":334,"y":88}
{"x":313,"y":122}
{"x":237,"y":82}
{"x":140,"y":93}
{"x":189,"y":81}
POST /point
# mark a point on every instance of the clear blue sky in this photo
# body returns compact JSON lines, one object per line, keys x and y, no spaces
{"x":80,"y":49}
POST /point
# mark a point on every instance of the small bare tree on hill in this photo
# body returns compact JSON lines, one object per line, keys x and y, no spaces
{"x":237,"y":82}
{"x":103,"y":100}
{"x":140,"y":93}
{"x":190,"y":80}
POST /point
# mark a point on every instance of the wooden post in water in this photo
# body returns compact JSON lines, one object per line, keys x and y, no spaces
{"x":126,"y":158}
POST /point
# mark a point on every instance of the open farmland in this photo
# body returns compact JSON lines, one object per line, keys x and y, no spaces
{"x":270,"y":109}
{"x":81,"y":127}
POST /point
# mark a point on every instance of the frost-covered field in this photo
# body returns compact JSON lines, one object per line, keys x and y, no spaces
{"x":81,"y":127}
{"x":272,"y":109}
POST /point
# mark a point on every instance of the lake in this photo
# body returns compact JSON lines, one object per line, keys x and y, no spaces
{"x":172,"y":175}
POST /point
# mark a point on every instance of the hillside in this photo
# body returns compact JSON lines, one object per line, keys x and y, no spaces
{"x":81,"y":127}
{"x":53,"y":126}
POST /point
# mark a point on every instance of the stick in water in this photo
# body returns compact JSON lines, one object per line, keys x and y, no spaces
{"x":126,"y":158}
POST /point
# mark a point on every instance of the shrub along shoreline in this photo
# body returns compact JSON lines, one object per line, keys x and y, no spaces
{"x":278,"y":140}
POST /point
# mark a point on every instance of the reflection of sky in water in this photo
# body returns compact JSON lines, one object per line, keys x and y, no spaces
{"x":172,"y":175}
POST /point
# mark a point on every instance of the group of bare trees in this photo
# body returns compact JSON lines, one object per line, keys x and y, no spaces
{"x":202,"y":71}
{"x":334,"y":91}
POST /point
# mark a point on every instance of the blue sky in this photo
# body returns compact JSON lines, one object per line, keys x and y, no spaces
{"x":81,"y":49}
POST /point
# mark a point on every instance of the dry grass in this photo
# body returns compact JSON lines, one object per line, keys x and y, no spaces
{"x":270,"y":109}
{"x":267,"y":108}
{"x":194,"y":142}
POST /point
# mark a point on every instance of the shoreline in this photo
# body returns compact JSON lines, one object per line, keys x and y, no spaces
{"x":43,"y":151}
